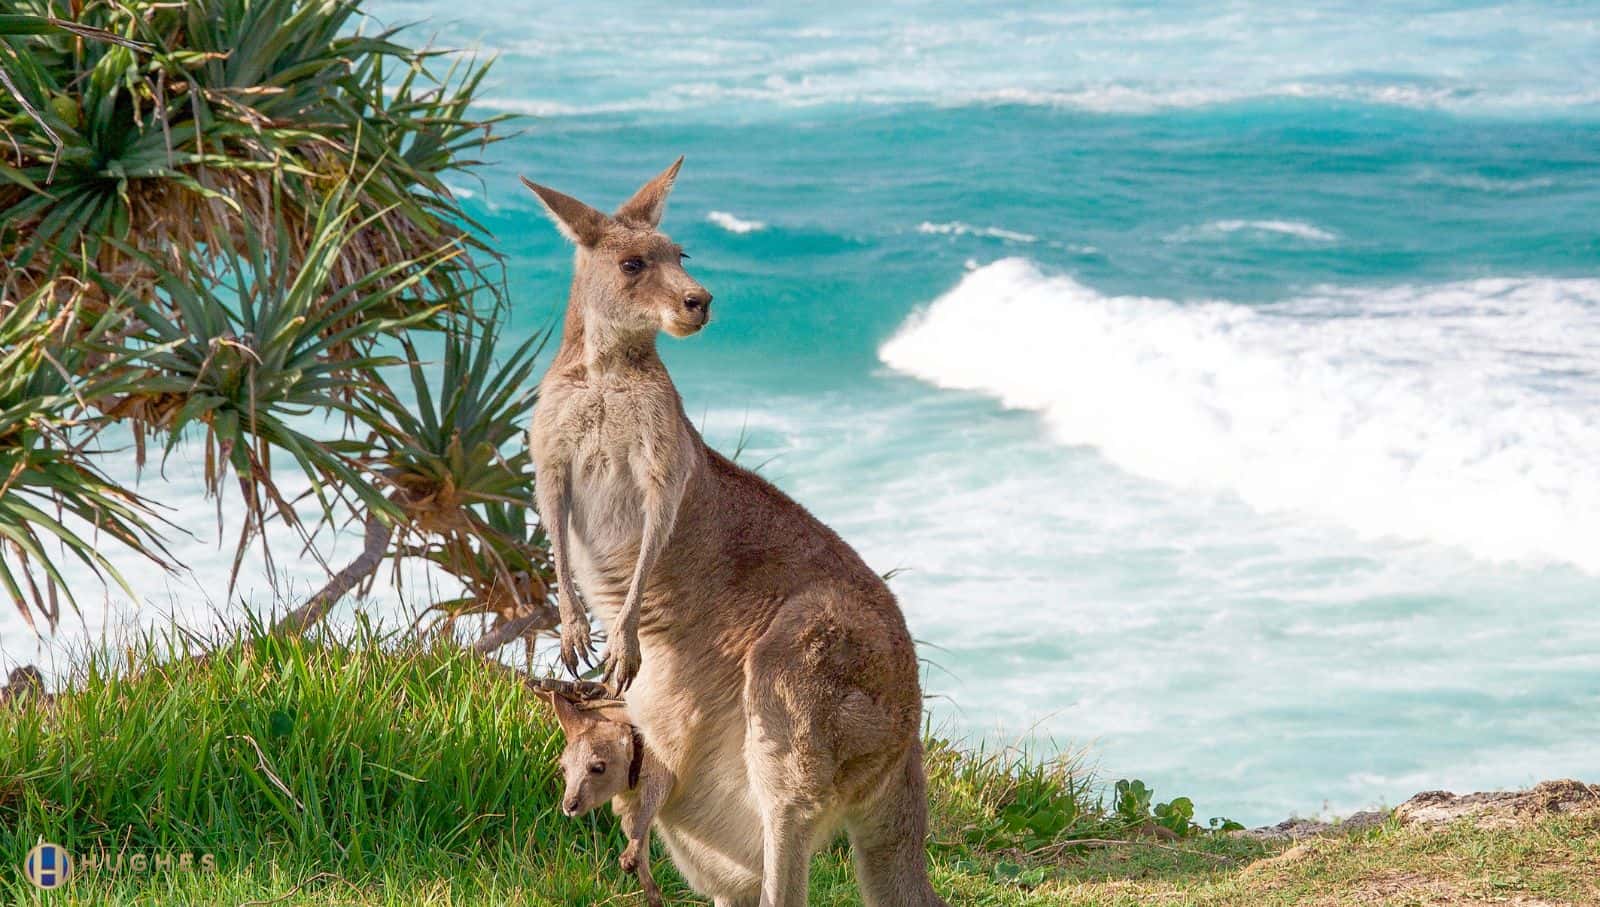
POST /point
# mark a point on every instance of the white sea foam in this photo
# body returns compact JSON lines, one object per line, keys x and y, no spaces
{"x":1102,"y":98}
{"x":1500,"y":58}
{"x":735,"y":224}
{"x":534,"y":107}
{"x":1465,"y":413}
{"x":1062,"y":595}
{"x":1109,"y":98}
{"x":1421,"y":97}
{"x":1481,"y":183}
{"x":1286,"y":227}
{"x":957,"y":228}
{"x":1295,"y":228}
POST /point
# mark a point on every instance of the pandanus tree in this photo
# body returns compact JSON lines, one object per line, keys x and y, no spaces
{"x":226,"y":224}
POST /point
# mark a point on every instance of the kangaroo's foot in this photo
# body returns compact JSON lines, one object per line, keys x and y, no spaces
{"x":575,"y":642}
{"x":622,"y":664}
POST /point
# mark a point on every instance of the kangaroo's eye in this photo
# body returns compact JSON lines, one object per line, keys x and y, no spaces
{"x":683,"y":256}
{"x":597,"y":767}
{"x":632,"y":265}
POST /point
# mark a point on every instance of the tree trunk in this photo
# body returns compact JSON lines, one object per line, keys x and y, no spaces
{"x":504,"y":631}
{"x":373,"y":549}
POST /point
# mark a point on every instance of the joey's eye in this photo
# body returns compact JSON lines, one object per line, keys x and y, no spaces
{"x":597,"y":767}
{"x":683,"y":256}
{"x":632,"y":265}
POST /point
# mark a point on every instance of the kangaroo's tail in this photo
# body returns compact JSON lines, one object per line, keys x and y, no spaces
{"x":890,"y":838}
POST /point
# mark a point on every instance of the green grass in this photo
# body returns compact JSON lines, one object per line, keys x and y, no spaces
{"x":365,"y":773}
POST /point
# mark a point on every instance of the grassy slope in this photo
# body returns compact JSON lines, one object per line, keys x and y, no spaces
{"x":424,"y":779}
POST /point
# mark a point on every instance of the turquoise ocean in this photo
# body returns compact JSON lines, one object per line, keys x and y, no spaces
{"x":1221,"y":380}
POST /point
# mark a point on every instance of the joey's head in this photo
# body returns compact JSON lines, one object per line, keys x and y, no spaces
{"x":630,"y":277}
{"x":599,"y":757}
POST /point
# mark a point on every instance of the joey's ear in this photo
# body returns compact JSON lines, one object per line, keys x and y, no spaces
{"x":617,"y":714}
{"x":576,"y":221}
{"x":571,"y":720}
{"x":650,"y":202}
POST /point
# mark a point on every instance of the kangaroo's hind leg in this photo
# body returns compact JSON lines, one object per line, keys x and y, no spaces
{"x":787,"y":835}
{"x":889,"y":840}
{"x":791,"y":809}
{"x":788,"y":758}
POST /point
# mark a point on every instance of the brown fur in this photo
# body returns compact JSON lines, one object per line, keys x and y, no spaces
{"x":595,"y":763}
{"x":767,"y":667}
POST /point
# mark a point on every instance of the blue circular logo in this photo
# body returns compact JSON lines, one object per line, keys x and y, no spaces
{"x":48,"y":866}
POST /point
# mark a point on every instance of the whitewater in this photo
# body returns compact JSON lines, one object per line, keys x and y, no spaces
{"x":1466,"y":414}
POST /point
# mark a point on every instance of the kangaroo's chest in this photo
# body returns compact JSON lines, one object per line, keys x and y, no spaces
{"x":602,"y":434}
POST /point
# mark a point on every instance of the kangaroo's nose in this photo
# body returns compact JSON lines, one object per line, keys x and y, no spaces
{"x":571,"y":806}
{"x":695,"y":300}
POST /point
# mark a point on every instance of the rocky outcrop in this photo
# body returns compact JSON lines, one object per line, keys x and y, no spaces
{"x":1438,"y":807}
{"x":1295,"y":829}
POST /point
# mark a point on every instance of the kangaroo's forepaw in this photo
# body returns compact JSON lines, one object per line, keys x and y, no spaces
{"x":622,"y":663}
{"x":629,"y":860}
{"x":575,"y":644}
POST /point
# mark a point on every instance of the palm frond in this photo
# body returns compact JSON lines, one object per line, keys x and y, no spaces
{"x":55,"y":502}
{"x":452,"y":446}
{"x":208,"y":116}
{"x":262,"y":359}
{"x":256,"y":195}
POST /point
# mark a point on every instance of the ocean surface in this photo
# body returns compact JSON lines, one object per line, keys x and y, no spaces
{"x":1222,"y":380}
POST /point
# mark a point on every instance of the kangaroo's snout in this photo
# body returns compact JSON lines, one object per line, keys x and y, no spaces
{"x":697,"y":303}
{"x":692,"y":312}
{"x":570,"y":806}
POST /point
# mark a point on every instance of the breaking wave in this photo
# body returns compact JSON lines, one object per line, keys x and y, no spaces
{"x":1464,"y":413}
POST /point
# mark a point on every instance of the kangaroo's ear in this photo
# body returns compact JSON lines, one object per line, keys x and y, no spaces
{"x":650,"y":202}
{"x":576,"y":221}
{"x":571,"y":720}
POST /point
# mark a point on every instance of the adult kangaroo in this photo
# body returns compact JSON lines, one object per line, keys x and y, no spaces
{"x":764,"y":663}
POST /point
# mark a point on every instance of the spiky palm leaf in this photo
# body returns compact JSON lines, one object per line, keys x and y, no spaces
{"x":455,"y":452}
{"x":242,"y":113}
{"x":12,"y":25}
{"x":447,"y":446}
{"x":244,"y":357}
{"x":265,"y":184}
{"x":54,"y":501}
